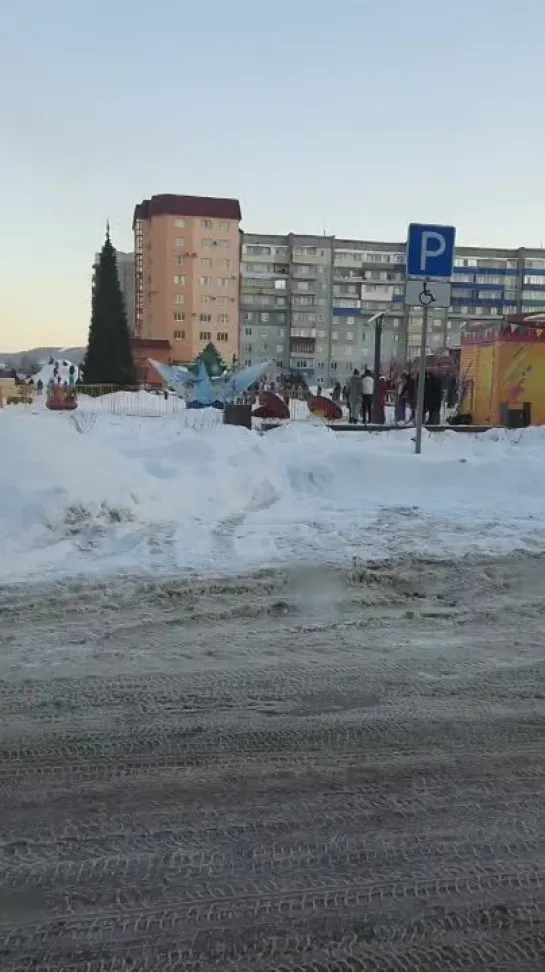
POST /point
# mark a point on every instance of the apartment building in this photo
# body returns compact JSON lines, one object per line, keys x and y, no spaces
{"x":306,"y":300}
{"x":187,"y":252}
{"x":125,"y":273}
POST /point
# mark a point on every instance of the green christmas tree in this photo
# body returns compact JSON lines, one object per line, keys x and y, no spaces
{"x":108,"y":359}
{"x":212,"y":360}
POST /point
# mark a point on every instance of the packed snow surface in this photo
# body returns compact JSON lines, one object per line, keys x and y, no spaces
{"x":180,"y":492}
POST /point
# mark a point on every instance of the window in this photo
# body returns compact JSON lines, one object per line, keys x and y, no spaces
{"x":180,"y":223}
{"x":179,"y":242}
{"x":179,"y":335}
{"x":223,"y":281}
{"x":206,"y":224}
{"x":223,"y":225}
{"x":180,"y":281}
{"x":222,"y":318}
{"x":248,"y":331}
{"x":179,"y":299}
{"x":463,"y":262}
{"x":205,"y":281}
{"x":223,"y":264}
{"x":206,"y":262}
{"x":179,"y":261}
{"x":206,"y":243}
{"x":205,"y":318}
{"x":223,"y":244}
{"x":349,"y":335}
{"x":222,"y":336}
{"x":279,"y":284}
{"x":222,"y":300}
{"x":204,"y":336}
{"x":179,"y":316}
{"x":247,"y":362}
{"x":206,"y":299}
{"x":265,"y":317}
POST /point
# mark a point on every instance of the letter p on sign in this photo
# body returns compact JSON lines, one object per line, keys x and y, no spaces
{"x":427,"y":250}
{"x":430,"y":251}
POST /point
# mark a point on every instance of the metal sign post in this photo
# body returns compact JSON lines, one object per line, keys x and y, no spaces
{"x":430,"y":259}
{"x":419,"y":417}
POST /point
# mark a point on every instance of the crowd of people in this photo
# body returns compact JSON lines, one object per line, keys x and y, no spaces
{"x":398,"y":389}
{"x":358,"y":395}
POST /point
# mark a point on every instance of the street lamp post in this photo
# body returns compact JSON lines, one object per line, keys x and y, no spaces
{"x":377,"y":320}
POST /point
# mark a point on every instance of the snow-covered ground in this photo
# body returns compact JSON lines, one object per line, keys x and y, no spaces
{"x":182,"y":493}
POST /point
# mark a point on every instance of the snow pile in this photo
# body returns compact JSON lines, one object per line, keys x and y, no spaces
{"x":158,"y":495}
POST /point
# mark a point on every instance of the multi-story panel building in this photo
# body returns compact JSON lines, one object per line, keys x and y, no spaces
{"x":125,"y":273}
{"x":187,"y":272}
{"x":306,"y":300}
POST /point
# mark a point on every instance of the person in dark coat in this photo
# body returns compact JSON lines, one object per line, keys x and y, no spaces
{"x":433,"y":398}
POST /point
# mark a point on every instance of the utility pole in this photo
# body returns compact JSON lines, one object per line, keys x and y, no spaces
{"x":377,"y":321}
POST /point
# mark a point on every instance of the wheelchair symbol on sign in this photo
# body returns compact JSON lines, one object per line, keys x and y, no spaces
{"x":426,"y":297}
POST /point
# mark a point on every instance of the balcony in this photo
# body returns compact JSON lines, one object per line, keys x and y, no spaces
{"x":302,"y":345}
{"x":304,"y":273}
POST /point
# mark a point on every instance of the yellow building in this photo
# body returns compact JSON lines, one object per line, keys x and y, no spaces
{"x":502,"y":367}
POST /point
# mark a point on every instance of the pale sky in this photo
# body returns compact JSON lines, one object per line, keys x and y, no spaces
{"x":359,"y":117}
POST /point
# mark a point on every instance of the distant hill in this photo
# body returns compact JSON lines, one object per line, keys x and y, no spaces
{"x":26,"y":361}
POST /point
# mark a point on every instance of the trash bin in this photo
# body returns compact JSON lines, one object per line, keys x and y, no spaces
{"x":238,"y":415}
{"x":516,"y":417}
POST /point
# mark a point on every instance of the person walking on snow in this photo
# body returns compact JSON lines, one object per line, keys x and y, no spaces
{"x":433,"y":399}
{"x":355,"y":396}
{"x":410,"y":393}
{"x":368,"y":389}
{"x":400,"y":413}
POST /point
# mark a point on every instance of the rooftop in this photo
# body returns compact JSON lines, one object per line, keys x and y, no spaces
{"x":207,"y":207}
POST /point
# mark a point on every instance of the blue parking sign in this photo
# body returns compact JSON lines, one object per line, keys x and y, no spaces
{"x":430,"y":250}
